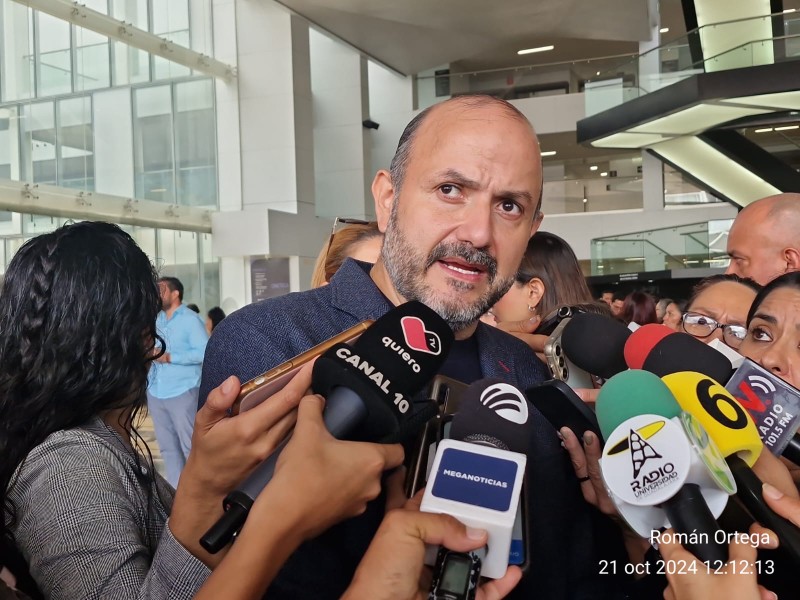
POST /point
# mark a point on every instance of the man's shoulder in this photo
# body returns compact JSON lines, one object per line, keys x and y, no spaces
{"x":517,"y":362}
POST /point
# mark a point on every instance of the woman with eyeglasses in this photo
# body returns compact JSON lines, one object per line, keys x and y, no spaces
{"x":360,"y":240}
{"x":717,"y":309}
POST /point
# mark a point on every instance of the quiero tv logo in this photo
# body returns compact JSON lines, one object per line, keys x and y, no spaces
{"x":474,"y":478}
{"x":507,"y":401}
{"x":418,"y":338}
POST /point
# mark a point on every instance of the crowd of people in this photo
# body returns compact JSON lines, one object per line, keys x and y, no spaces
{"x":90,"y":336}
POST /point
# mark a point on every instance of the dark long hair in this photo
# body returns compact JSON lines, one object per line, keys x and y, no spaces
{"x":551,"y":259}
{"x":77,"y":334}
{"x":790,"y":280}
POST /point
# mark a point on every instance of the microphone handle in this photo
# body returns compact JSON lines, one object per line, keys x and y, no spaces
{"x":792,"y":450}
{"x":749,"y":492}
{"x":688,"y":513}
{"x":344,"y":410}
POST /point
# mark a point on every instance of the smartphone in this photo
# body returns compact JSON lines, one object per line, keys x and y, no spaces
{"x":563,"y":408}
{"x":258,"y":389}
{"x":560,"y":365}
{"x":552,"y":320}
{"x":448,"y":394}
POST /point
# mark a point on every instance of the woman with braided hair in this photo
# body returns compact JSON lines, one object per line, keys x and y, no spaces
{"x":85,"y":509}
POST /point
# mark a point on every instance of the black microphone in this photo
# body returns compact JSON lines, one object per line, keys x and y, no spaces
{"x":368,"y":389}
{"x":595,"y":343}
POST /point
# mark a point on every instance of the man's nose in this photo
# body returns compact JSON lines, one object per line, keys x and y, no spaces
{"x":476,"y":224}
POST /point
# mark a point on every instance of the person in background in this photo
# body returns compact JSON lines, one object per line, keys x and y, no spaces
{"x":661,"y":308}
{"x":607,"y":296}
{"x":672,"y":316}
{"x":717,"y":309}
{"x":175,"y":378}
{"x":194,"y":308}
{"x":214,"y":316}
{"x":639,"y":308}
{"x":360,"y":240}
{"x":548,"y":276}
{"x":617,"y":304}
{"x":764,"y":240}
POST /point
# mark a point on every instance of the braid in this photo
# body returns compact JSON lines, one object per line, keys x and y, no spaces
{"x":33,"y":323}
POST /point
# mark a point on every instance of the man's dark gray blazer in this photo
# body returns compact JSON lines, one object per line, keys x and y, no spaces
{"x":262,"y":335}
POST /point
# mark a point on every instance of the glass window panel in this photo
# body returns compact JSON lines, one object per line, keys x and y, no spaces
{"x":9,"y":146}
{"x":39,"y":143}
{"x":76,"y":143}
{"x":154,"y":166}
{"x":210,"y":264}
{"x":169,"y":16}
{"x":165,"y":69}
{"x":98,"y":5}
{"x":195,"y":143}
{"x":38,"y":224}
{"x":178,"y":256}
{"x":17,"y":53}
{"x":131,"y":11}
{"x":92,"y":60}
{"x":130,"y":65}
{"x":55,"y":61}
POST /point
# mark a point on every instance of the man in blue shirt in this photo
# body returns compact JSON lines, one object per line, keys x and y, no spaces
{"x":175,"y":378}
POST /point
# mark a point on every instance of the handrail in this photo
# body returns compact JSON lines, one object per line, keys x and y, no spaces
{"x":535,"y":66}
{"x":743,"y":44}
{"x":666,"y":254}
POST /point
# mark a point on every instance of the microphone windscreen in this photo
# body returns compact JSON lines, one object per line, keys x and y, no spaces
{"x":727,"y":422}
{"x":630,"y":394}
{"x":388,"y":364}
{"x":682,"y":352}
{"x":642,"y":341}
{"x":595,"y":343}
{"x":494,"y":413}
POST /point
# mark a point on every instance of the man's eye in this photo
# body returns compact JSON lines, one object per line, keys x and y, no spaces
{"x":449,"y":190}
{"x":511,"y":207}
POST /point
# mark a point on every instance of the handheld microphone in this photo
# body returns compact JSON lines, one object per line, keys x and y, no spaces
{"x":368,"y":389}
{"x":773,"y":403}
{"x":659,"y":467}
{"x":477,"y":475}
{"x":735,"y":434}
{"x":595,"y":344}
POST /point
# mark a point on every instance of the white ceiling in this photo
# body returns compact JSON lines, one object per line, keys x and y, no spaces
{"x":411,"y":36}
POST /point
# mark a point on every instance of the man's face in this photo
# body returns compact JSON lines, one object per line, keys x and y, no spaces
{"x":753,"y":255}
{"x":457,"y":230}
{"x":167,"y":295}
{"x":608,"y":298}
{"x":616,"y":307}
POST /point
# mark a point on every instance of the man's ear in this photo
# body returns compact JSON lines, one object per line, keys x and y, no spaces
{"x":383,"y":193}
{"x":792,"y":258}
{"x":535,"y":291}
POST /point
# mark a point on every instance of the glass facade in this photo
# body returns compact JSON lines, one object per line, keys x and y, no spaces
{"x":80,"y":111}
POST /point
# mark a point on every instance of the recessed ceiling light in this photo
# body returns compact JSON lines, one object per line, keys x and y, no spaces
{"x":663,"y":30}
{"x":549,"y":153}
{"x":534,"y":50}
{"x":787,"y":127}
{"x":764,"y":130}
{"x":604,"y":174}
{"x":585,"y":200}
{"x":593,"y":168}
{"x":789,"y":10}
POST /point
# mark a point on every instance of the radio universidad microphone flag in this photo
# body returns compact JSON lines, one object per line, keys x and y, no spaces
{"x":368,"y":390}
{"x":659,"y":467}
{"x":477,"y":475}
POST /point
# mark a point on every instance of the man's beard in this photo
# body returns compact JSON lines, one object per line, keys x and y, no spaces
{"x":406,"y":269}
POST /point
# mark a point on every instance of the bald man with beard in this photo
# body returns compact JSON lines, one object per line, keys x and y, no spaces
{"x":764,"y":241}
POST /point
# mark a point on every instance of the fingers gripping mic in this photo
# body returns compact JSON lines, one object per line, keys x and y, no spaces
{"x":368,"y":389}
{"x":477,"y":475}
{"x":658,"y":464}
{"x":735,"y":434}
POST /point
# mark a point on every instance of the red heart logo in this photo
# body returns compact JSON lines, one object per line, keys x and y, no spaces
{"x":418,"y":338}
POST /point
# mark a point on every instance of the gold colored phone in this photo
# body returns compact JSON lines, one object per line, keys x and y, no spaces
{"x":258,"y":389}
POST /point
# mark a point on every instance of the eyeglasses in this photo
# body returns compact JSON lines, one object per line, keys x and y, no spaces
{"x":701,"y":326}
{"x":336,"y":222}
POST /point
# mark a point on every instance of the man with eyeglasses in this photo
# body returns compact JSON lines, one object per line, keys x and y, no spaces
{"x":457,"y":206}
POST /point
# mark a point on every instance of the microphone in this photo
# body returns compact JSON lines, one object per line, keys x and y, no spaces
{"x":595,"y":343}
{"x":368,"y":389}
{"x":477,"y":474}
{"x":659,"y":465}
{"x":735,"y":434}
{"x":660,"y":350}
{"x":772,"y":402}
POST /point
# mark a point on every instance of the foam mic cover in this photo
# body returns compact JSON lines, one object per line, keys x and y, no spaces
{"x":595,"y":344}
{"x":722,"y":416}
{"x":641,"y":342}
{"x":493,"y":413}
{"x":632,"y":393}
{"x":680,"y":352}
